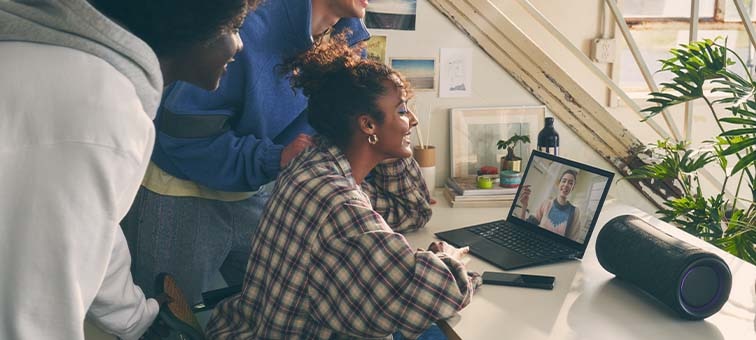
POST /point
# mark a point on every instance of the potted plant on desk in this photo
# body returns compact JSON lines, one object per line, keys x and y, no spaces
{"x":723,"y":219}
{"x":509,"y":177}
{"x":510,"y":161}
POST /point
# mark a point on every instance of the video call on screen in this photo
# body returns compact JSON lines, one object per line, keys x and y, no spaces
{"x":547,"y":180}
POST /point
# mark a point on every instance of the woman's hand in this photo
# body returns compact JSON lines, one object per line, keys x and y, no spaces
{"x":525,"y":196}
{"x":296,"y":146}
{"x":442,"y":247}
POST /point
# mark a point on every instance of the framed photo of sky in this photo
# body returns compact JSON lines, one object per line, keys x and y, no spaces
{"x":421,"y":73}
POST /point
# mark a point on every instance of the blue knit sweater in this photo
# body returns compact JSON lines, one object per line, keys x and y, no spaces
{"x":231,"y":139}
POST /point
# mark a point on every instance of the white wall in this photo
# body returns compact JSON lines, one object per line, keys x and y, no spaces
{"x":492,"y":86}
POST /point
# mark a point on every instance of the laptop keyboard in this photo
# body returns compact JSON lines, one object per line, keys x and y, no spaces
{"x":521,"y":241}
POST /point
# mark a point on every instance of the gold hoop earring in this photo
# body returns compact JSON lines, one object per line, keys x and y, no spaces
{"x":372,"y":139}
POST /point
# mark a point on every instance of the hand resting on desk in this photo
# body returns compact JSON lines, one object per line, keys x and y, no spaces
{"x":459,"y":254}
{"x":441,"y":247}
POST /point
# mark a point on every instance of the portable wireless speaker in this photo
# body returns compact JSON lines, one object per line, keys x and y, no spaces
{"x":693,"y":282}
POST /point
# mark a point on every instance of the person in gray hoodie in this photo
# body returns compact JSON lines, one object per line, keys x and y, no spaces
{"x":79,"y":85}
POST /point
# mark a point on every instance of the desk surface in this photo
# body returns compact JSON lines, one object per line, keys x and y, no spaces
{"x":587,"y":301}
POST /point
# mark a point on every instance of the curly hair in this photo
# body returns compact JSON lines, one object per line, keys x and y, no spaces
{"x":171,"y":26}
{"x":340,"y":86}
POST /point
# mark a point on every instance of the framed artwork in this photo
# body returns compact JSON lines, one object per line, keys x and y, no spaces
{"x":391,"y":14}
{"x":421,"y":73}
{"x":455,"y":75}
{"x":376,"y":48}
{"x":475,"y":131}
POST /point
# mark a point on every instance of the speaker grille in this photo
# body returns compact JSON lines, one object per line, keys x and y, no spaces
{"x":699,"y":287}
{"x":703,"y":285}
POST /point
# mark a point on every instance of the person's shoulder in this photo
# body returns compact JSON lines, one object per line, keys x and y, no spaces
{"x":81,"y":92}
{"x":317,"y":170}
{"x":273,"y":16}
{"x":548,"y":202}
{"x":81,"y":73}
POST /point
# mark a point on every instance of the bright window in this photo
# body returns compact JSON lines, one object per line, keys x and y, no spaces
{"x":665,"y":8}
{"x":658,"y":25}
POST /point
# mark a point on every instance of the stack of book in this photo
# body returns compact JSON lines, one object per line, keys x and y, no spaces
{"x":463,"y":192}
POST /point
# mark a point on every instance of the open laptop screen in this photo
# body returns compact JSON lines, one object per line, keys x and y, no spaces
{"x":561,"y":196}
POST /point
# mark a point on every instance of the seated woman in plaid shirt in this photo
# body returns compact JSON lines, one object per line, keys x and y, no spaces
{"x":326,"y":262}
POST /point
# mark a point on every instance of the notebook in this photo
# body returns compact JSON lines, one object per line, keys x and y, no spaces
{"x":551,"y":219}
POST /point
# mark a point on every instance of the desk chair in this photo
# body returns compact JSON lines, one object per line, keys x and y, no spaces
{"x":178,"y":316}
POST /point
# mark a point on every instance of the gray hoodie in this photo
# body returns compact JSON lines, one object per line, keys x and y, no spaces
{"x":77,"y":97}
{"x":76,"y":24}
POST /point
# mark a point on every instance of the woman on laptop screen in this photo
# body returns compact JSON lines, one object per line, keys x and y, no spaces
{"x":556,"y":214}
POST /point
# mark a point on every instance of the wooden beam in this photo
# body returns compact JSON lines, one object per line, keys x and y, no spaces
{"x":745,"y":18}
{"x":536,"y":72}
{"x":692,"y":36}
{"x":596,"y":71}
{"x":620,"y":20}
{"x":681,"y":24}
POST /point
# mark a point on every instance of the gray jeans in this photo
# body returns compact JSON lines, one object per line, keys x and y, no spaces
{"x":191,"y":238}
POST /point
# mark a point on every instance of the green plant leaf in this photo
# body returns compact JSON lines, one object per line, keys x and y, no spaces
{"x":738,"y":120}
{"x":738,"y":111}
{"x":689,"y":164}
{"x":744,"y":162}
{"x":738,"y":132}
{"x":713,"y":219}
{"x":737,"y":146}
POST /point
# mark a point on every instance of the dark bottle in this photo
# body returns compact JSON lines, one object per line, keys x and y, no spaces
{"x":548,"y":138}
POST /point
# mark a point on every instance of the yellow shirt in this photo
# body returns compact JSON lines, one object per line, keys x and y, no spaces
{"x":163,"y":183}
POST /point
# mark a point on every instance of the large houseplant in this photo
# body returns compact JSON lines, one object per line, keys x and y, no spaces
{"x":701,"y":71}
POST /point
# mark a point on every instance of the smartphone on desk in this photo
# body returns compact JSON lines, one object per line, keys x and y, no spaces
{"x":518,"y":280}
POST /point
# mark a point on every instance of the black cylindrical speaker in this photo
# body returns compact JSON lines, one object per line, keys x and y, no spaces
{"x":693,"y":282}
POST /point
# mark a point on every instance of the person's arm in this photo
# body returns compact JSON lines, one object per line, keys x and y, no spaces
{"x":544,"y":209}
{"x":70,"y":255}
{"x":382,"y":285}
{"x":120,"y":306}
{"x":68,"y":177}
{"x":524,"y":200}
{"x":398,"y":192}
{"x":197,"y":139}
{"x":523,"y":211}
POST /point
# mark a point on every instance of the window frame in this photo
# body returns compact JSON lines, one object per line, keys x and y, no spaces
{"x":715,"y":22}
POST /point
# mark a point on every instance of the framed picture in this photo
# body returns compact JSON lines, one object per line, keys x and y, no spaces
{"x":475,"y":131}
{"x":391,"y":14}
{"x":455,"y":73}
{"x":376,"y":48}
{"x":421,"y":73}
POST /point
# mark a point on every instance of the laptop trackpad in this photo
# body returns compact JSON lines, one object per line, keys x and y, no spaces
{"x":498,"y":255}
{"x":485,"y":249}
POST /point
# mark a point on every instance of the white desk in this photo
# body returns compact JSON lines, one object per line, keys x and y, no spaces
{"x":587,"y":301}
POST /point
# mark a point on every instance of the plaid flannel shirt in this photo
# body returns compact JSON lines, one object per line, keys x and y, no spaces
{"x":325,"y":262}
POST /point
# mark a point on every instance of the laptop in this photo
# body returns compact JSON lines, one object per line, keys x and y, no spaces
{"x":551,"y":218}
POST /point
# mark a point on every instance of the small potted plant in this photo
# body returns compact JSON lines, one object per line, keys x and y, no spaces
{"x":510,"y":161}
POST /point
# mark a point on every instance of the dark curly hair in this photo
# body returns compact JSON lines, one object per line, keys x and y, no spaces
{"x":171,"y":26}
{"x":340,"y":86}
